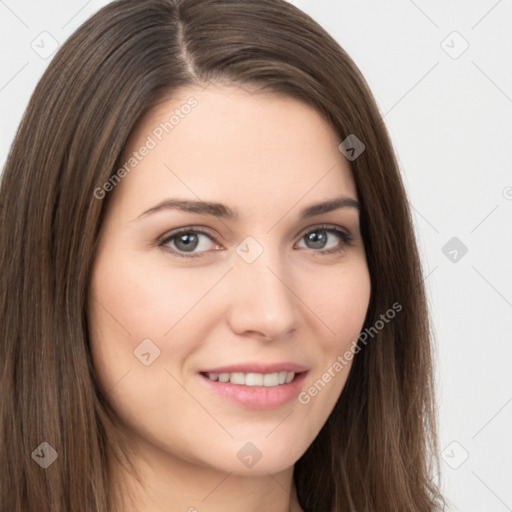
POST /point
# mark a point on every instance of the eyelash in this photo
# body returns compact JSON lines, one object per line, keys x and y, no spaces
{"x":343,"y":235}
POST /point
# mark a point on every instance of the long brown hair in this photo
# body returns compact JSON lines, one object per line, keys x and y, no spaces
{"x":377,"y":451}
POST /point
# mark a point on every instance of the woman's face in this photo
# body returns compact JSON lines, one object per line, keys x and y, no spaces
{"x":183,"y":298}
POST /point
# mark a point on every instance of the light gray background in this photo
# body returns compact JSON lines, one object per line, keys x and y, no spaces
{"x":449,"y":112}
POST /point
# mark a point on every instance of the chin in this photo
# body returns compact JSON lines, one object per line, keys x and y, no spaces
{"x":260,"y":456}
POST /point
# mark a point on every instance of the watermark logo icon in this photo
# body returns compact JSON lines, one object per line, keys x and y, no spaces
{"x":44,"y":45}
{"x":455,"y":455}
{"x":352,"y":147}
{"x":45,"y":455}
{"x":454,"y":249}
{"x":249,"y":455}
{"x":146,"y":352}
{"x":249,"y":249}
{"x":454,"y":45}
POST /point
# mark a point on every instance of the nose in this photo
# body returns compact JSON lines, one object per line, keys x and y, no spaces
{"x":262,"y":301}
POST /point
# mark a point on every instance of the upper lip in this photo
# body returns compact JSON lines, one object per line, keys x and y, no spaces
{"x":258,"y":368}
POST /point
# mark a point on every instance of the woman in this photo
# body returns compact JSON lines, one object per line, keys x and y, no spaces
{"x":211,"y":294}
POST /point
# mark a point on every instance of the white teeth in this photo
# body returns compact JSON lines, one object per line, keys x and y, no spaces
{"x":252,"y":379}
{"x":237,"y":378}
{"x":268,"y":380}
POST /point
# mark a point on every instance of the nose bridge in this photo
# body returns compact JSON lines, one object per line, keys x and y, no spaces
{"x":263,"y":301}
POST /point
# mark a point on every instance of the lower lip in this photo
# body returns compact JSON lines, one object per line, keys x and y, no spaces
{"x":257,"y":397}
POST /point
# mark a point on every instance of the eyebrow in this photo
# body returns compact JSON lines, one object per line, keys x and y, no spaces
{"x":224,"y":212}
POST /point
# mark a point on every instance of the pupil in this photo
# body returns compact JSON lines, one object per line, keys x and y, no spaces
{"x":188,"y":240}
{"x":317,"y":238}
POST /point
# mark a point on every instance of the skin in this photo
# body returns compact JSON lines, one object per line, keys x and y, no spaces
{"x":267,"y":156}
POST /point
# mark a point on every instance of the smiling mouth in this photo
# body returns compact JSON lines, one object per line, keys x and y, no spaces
{"x":268,"y":380}
{"x":266,"y":389}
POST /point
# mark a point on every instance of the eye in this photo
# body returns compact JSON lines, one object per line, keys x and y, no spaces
{"x":326,"y":239}
{"x":185,"y":242}
{"x":192,"y":242}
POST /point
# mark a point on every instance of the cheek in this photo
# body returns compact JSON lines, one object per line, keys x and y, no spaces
{"x":136,"y":303}
{"x":142,"y":298}
{"x":340,"y":301}
{"x":133,"y":300}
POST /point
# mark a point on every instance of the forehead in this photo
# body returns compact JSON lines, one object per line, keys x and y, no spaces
{"x":230,"y":145}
